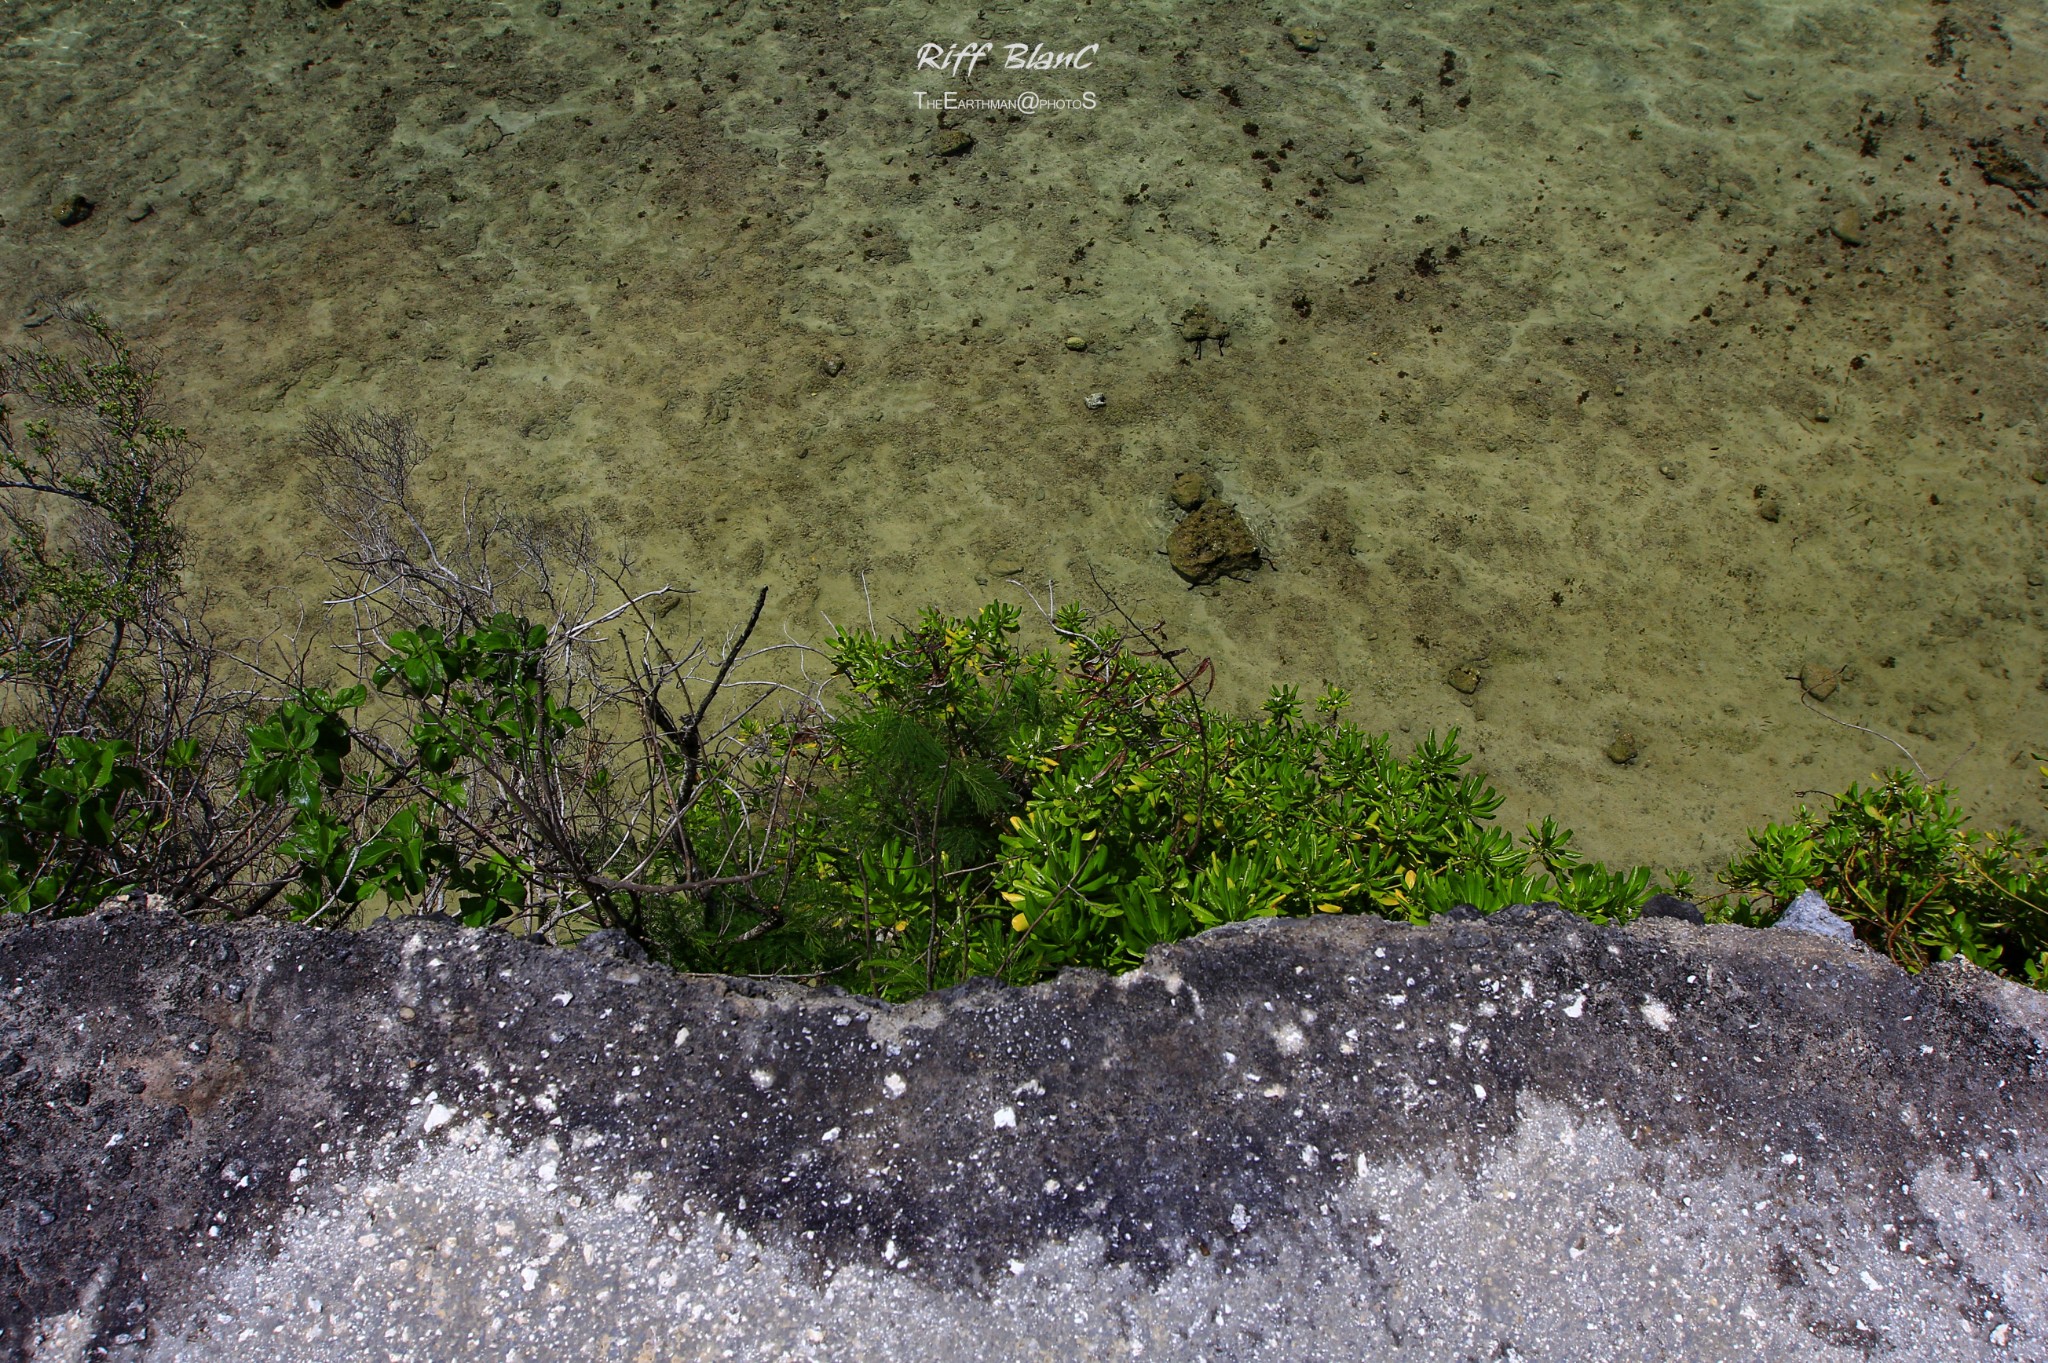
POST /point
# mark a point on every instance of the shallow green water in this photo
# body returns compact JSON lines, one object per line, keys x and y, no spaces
{"x":1633,"y":357}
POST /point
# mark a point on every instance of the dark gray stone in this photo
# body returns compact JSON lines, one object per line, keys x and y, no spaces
{"x":1671,"y":906}
{"x":610,"y":944}
{"x":1526,"y":1136}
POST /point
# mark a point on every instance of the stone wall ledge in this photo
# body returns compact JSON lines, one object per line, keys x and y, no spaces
{"x":1524,"y":1136}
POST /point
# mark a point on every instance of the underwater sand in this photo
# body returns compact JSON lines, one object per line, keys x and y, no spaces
{"x":1548,"y":356}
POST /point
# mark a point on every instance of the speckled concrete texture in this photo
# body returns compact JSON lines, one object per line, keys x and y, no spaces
{"x":1524,"y":1137}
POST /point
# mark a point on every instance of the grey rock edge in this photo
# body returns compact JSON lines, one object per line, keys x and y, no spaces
{"x":1521,"y":1137}
{"x":1810,"y":913}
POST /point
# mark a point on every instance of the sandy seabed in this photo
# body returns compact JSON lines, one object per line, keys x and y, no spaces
{"x":1632,"y":356}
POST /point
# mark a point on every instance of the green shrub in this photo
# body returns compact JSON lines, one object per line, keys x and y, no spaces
{"x":1896,"y":860}
{"x":384,"y":814}
{"x":980,"y":810}
{"x":971,"y":809}
{"x":66,"y":809}
{"x":104,"y":657}
{"x":92,"y":550}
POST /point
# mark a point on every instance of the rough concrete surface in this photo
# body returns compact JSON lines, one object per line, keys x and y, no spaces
{"x":1524,"y":1137}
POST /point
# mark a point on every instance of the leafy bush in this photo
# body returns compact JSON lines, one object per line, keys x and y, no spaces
{"x":985,"y":811}
{"x":65,"y":810}
{"x":469,"y":702}
{"x":101,"y":653}
{"x":87,"y":485}
{"x":472,"y":782}
{"x":1896,"y":860}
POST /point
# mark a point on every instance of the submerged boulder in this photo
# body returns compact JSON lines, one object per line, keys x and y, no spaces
{"x":1191,"y":487}
{"x":1212,"y":541}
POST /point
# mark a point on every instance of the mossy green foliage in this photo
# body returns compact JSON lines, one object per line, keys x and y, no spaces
{"x":982,"y":810}
{"x":971,"y":809}
{"x":465,"y":704}
{"x":1898,"y":861}
{"x":64,"y":809}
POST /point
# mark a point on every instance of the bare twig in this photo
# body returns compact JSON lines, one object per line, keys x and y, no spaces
{"x":1807,"y":701}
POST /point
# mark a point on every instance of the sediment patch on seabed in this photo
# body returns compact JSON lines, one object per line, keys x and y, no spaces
{"x":1526,"y":1137}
